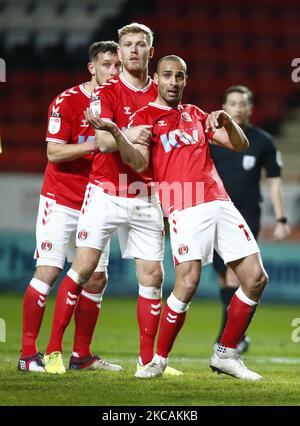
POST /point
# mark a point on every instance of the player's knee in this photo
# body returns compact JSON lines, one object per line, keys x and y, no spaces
{"x":153,"y":277}
{"x":97,"y":282}
{"x":85,"y":269}
{"x":260,"y":280}
{"x":263,"y":279}
{"x":47,"y":274}
{"x":85,"y":274}
{"x":189,"y":285}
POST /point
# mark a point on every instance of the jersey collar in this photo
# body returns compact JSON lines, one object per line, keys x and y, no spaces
{"x":134,"y":89}
{"x":166,"y":108}
{"x":84,"y":91}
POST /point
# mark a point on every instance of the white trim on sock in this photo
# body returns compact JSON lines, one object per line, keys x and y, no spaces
{"x":75,"y":276}
{"x":40,"y":286}
{"x":241,"y":295}
{"x":92,"y":296}
{"x":150,"y":292}
{"x":157,"y":358}
{"x":176,"y":305}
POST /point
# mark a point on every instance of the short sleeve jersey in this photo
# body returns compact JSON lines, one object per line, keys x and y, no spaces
{"x":66,"y":181}
{"x":180,"y":156}
{"x":117,"y":100}
{"x":241,"y":171}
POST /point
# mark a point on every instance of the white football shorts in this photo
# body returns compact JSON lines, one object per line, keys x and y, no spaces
{"x":196,"y":231}
{"x":56,"y":228}
{"x":138,"y":221}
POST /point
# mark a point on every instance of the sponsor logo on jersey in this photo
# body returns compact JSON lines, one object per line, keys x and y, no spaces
{"x":249,"y":162}
{"x":172,"y":139}
{"x":46,"y":245}
{"x":185,"y":116}
{"x":127,"y":110}
{"x":82,"y":139}
{"x":54,"y":122}
{"x":183,"y":249}
{"x":82,"y":235}
{"x":84,"y":123}
{"x":162,"y":123}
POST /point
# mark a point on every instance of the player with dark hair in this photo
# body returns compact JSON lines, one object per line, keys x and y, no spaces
{"x":241,"y":174}
{"x":201,"y":217}
{"x":70,"y":150}
{"x":113,"y":200}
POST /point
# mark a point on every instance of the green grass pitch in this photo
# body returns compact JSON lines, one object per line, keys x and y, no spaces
{"x":273,"y":354}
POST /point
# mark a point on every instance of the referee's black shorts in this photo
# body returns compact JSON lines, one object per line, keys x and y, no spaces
{"x":252,"y":218}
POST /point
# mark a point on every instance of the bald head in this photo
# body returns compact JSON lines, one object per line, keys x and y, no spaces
{"x":171,"y":80}
{"x":172,"y":58}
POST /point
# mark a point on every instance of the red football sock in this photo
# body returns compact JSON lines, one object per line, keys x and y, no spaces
{"x":170,"y":325}
{"x":148,"y":315}
{"x":86,"y":315}
{"x":239,"y":317}
{"x":64,"y":307}
{"x":33,"y":312}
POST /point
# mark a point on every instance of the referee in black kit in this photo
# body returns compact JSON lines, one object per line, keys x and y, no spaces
{"x":241,"y":173}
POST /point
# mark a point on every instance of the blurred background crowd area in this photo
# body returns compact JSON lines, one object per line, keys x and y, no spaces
{"x":224,"y":42}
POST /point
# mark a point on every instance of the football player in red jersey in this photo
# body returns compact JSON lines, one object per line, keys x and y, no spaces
{"x":202,"y":217}
{"x":70,"y":150}
{"x":113,"y":200}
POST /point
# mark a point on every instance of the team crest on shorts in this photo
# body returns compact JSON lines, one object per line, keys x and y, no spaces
{"x":183,"y":249}
{"x":82,"y":235}
{"x":46,"y":245}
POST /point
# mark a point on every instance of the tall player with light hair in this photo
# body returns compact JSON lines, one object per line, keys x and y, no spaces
{"x":114,"y":201}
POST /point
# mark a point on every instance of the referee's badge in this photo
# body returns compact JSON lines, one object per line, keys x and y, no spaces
{"x":249,"y":162}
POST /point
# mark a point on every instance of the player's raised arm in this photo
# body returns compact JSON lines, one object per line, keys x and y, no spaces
{"x":135,"y":155}
{"x":227,"y":133}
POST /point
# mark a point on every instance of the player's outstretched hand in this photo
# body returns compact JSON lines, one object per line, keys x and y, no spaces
{"x":216,"y":120}
{"x":97,"y":122}
{"x":139,"y":134}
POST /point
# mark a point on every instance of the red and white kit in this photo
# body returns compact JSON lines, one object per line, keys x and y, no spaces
{"x":201,"y":215}
{"x":117,"y":197}
{"x":64,"y":183}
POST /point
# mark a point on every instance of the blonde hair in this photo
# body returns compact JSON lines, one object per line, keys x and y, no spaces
{"x":134,"y":27}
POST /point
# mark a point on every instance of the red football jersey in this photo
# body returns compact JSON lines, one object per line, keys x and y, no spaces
{"x":180,"y":156}
{"x":117,"y":100}
{"x":66,"y":182}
